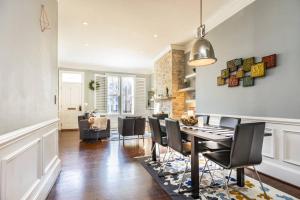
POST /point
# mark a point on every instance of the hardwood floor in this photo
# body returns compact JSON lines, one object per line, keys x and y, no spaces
{"x":107,"y":170}
{"x":103,"y":170}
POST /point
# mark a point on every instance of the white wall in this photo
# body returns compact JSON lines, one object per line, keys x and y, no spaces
{"x":28,"y":64}
{"x":28,"y":82}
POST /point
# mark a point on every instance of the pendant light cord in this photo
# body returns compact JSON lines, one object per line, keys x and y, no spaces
{"x":200,"y":13}
{"x":201,"y":29}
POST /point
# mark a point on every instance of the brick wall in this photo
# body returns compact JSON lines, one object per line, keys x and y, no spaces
{"x":169,"y":72}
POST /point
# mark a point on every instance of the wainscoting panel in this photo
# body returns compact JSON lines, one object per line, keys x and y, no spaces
{"x":29,"y":161}
{"x":268,"y":146}
{"x":281,"y":150}
{"x":291,"y":149}
{"x":50,"y":149}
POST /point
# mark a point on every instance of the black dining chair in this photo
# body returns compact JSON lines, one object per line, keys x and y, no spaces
{"x":246,"y":150}
{"x":176,"y":143}
{"x":205,"y":119}
{"x":226,"y":123}
{"x":158,"y":136}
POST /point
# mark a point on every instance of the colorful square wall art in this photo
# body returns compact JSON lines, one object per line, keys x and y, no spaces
{"x":225,"y":73}
{"x":248,"y":81}
{"x":240,"y":73}
{"x":238,"y":62}
{"x":231,"y":66}
{"x":270,"y":60}
{"x":258,"y":70}
{"x":220,"y":81}
{"x":233,"y":81}
{"x":247,"y":63}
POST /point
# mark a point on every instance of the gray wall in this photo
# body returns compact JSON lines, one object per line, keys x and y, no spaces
{"x":28,"y":64}
{"x":264,"y":27}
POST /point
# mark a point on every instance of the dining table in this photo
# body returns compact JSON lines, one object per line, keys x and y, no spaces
{"x":203,"y":133}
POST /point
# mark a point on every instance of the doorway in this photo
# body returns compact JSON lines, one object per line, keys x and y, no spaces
{"x":71,"y":98}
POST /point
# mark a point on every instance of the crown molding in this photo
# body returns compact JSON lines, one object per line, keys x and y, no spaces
{"x":167,"y":49}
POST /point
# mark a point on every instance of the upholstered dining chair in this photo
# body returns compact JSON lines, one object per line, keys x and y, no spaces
{"x":176,"y":143}
{"x":246,"y":150}
{"x":158,"y":136}
{"x":205,"y":118}
{"x":225,"y":122}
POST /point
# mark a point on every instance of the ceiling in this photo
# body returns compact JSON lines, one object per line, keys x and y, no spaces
{"x":128,"y":35}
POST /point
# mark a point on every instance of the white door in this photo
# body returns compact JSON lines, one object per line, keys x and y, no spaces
{"x":71,"y":99}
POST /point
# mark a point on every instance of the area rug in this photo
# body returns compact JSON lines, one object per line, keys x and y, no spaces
{"x":210,"y":190}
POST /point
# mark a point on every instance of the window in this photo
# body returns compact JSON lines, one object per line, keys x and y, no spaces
{"x":116,"y":94}
{"x":113,"y":94}
{"x":127,"y":95}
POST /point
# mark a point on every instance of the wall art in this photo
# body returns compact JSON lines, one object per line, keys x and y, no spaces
{"x":247,"y":63}
{"x":248,"y":81}
{"x":220,"y":81}
{"x":258,"y":70}
{"x":240,"y":73}
{"x":233,"y":81}
{"x":270,"y":60}
{"x":225,"y":73}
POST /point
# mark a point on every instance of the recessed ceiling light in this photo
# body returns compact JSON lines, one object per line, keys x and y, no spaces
{"x":155,"y":36}
{"x":86,"y":44}
{"x":85,"y":23}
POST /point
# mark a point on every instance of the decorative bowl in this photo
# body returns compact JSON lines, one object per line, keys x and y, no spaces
{"x":189,"y":121}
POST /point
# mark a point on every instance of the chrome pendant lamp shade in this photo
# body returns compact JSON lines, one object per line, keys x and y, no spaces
{"x":202,"y":52}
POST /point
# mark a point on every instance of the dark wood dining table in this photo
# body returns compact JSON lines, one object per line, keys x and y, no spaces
{"x":205,"y":133}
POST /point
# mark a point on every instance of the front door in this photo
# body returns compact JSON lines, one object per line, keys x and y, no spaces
{"x":71,"y":99}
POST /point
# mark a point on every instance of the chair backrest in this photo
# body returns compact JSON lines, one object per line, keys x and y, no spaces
{"x":83,"y":125}
{"x":139,"y":126}
{"x":205,"y":118}
{"x":247,"y":144}
{"x":155,"y":129}
{"x":161,"y":115}
{"x":126,"y":126}
{"x":229,"y":122}
{"x":174,"y":135}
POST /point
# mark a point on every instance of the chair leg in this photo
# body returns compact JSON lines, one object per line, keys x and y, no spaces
{"x":226,"y":185}
{"x":229,"y":176}
{"x":163,"y":162}
{"x":159,"y":153}
{"x":261,"y":185}
{"x":183,"y":175}
{"x":203,"y":171}
{"x":212,"y":178}
{"x":163,"y":169}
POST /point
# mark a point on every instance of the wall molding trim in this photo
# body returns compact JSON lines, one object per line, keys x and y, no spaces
{"x":273,"y":120}
{"x":9,"y":137}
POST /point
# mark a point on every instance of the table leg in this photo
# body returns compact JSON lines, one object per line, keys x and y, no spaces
{"x":154,"y":151}
{"x":240,"y":174}
{"x":195,"y":168}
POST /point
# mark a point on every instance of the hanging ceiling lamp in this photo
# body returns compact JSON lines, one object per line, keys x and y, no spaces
{"x":202,"y":52}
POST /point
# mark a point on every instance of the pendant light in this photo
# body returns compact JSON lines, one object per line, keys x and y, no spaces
{"x":202,"y":52}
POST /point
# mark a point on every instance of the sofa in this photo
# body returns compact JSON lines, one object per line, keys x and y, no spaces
{"x":87,"y":133}
{"x":131,"y":126}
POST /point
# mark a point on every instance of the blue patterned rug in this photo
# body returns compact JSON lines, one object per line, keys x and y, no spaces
{"x":170,"y":182}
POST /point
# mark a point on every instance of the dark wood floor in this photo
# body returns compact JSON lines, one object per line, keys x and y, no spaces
{"x":107,"y":170}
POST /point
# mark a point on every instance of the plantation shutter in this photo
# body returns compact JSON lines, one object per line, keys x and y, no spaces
{"x":140,"y":96}
{"x":101,"y":94}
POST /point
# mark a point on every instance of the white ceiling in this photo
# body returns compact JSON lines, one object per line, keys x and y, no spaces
{"x":120,"y":33}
